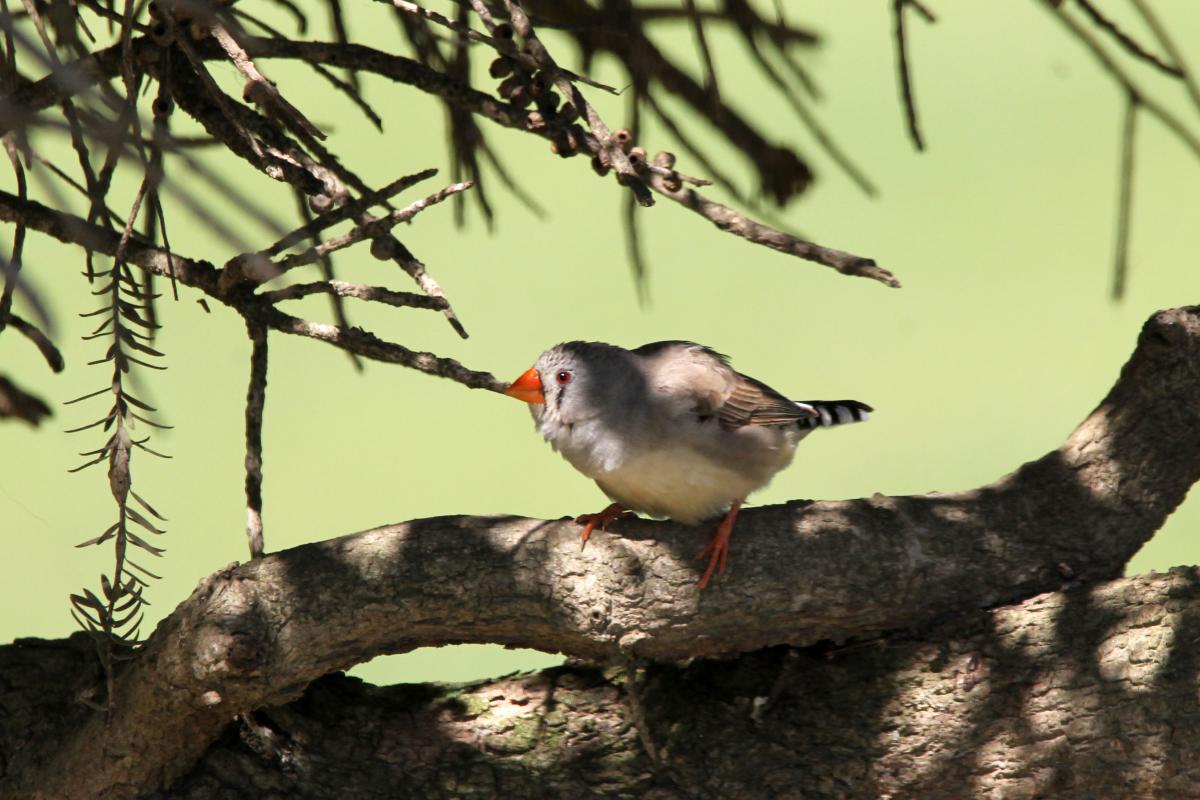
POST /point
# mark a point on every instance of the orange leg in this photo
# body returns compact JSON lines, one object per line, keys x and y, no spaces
{"x":614,"y":512}
{"x":718,"y":547}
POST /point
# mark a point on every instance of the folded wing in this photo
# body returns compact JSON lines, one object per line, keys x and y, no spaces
{"x":692,"y":379}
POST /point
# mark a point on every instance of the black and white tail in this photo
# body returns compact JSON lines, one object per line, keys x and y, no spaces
{"x":834,"y":412}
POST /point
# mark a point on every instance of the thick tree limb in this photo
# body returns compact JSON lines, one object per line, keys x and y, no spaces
{"x":1075,"y":695}
{"x":257,"y":634}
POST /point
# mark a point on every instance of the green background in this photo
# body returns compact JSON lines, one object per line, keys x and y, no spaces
{"x":1001,"y":341}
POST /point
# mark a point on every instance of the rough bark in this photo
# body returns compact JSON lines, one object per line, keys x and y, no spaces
{"x":1084,"y":693}
{"x":258,"y":634}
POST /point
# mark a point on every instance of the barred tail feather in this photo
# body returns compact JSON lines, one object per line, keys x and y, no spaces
{"x":834,"y":412}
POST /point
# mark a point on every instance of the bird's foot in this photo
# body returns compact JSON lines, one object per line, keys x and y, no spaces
{"x":717,"y":548}
{"x":614,"y":512}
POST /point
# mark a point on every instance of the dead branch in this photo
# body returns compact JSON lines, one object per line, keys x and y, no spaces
{"x":733,"y":222}
{"x":256,"y":396}
{"x":205,"y":277}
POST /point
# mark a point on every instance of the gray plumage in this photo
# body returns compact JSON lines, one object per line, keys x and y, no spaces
{"x":671,"y":429}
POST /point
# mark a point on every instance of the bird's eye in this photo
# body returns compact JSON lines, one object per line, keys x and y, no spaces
{"x":563,"y":377}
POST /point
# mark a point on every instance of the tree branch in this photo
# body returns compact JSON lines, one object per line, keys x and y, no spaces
{"x":731,"y":221}
{"x":1074,"y":695}
{"x":777,"y":164}
{"x":203,"y":276}
{"x":1078,"y":695}
{"x":257,"y":634}
{"x":256,"y":398}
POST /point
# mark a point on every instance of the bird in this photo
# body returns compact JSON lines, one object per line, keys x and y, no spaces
{"x":669,"y":429}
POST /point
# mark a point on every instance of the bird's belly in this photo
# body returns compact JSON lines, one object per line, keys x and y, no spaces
{"x":677,"y":484}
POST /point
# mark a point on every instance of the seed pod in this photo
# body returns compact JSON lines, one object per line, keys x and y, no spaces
{"x":548,"y":102}
{"x":664,"y":159}
{"x":383,"y":248}
{"x":162,"y":107}
{"x":578,"y":137}
{"x":624,"y":138}
{"x":503,"y":31}
{"x":637,"y":157}
{"x":599,"y":167}
{"x":535,"y":121}
{"x":567,"y":113}
{"x":255,"y":91}
{"x":320,"y":203}
{"x":160,"y":33}
{"x":508,"y":86}
{"x":520,"y":97}
{"x":500,"y":67}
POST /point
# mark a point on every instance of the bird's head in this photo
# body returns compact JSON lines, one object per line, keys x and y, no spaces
{"x":572,"y":382}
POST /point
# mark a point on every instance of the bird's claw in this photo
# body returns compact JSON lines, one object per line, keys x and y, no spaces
{"x":717,"y":548}
{"x":717,"y":551}
{"x":611,"y":514}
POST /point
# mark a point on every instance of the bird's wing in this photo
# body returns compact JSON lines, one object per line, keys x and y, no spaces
{"x":691,"y":379}
{"x":754,"y":403}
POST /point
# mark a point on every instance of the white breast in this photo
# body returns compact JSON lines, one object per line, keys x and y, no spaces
{"x":696,"y":473}
{"x":677,"y":484}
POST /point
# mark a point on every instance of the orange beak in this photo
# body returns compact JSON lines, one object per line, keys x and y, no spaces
{"x":527,"y":388}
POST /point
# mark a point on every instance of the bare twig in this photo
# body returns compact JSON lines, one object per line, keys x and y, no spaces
{"x":40,"y":340}
{"x":369,"y":345}
{"x":256,"y":396}
{"x":222,"y":102}
{"x":1136,"y":100}
{"x":343,"y":36}
{"x":327,"y":175}
{"x":510,"y":183}
{"x":1168,"y":45}
{"x":203,"y":276}
{"x":160,"y":141}
{"x":779,"y":31}
{"x":12,"y":268}
{"x":485,"y":15}
{"x":710,"y":72}
{"x":604,"y":146}
{"x":831,"y":147}
{"x":1126,"y":41}
{"x":261,"y":91}
{"x":504,"y":46}
{"x":350,"y":89}
{"x":95,"y":193}
{"x":370,"y":230}
{"x":376,"y":294}
{"x":75,"y":230}
{"x":415,"y":269}
{"x":347,"y":211}
{"x":15,"y":402}
{"x":1125,"y":196}
{"x":902,"y":68}
{"x":633,"y":234}
{"x":1122,"y":77}
{"x":692,"y":148}
{"x":337,"y":303}
{"x":731,"y":221}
